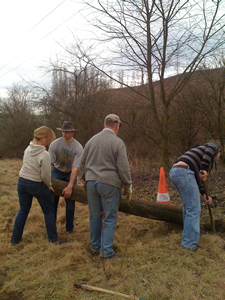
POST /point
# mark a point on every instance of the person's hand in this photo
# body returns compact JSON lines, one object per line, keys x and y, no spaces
{"x":209,"y":200}
{"x":67,"y":192}
{"x":203,"y":175}
{"x":51,"y":189}
{"x":128,"y":193}
{"x":84,"y":187}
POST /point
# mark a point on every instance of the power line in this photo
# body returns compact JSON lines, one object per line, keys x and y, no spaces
{"x":29,"y":32}
{"x":36,"y":44}
{"x":46,"y":16}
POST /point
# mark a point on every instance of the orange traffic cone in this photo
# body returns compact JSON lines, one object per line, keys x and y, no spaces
{"x":163,"y":195}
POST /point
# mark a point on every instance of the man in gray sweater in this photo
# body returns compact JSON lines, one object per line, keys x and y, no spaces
{"x":105,"y":171}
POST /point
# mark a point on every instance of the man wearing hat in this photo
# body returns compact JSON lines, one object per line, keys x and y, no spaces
{"x":65,"y":153}
{"x":105,"y":171}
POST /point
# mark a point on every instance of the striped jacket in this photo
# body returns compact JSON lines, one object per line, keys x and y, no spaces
{"x":200,"y":158}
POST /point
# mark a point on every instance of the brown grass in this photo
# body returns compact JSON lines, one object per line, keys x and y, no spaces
{"x":153,"y":266}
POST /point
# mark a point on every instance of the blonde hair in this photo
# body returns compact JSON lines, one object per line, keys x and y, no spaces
{"x":43,"y":132}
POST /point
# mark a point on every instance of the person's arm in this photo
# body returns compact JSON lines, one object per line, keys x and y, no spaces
{"x":45,"y":169}
{"x":68,"y":190}
{"x":52,"y":153}
{"x":207,"y":158}
{"x":81,"y":169}
{"x":75,"y":168}
{"x":124,"y":173}
{"x":123,"y":167}
{"x":82,"y":164}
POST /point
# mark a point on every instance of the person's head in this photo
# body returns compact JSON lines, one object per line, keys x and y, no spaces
{"x":43,"y":135}
{"x":113,"y":122}
{"x":67,"y":131}
{"x":218,"y":147}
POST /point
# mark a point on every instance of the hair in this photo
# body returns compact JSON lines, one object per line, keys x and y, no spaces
{"x":110,"y":123}
{"x":219,"y":149}
{"x":43,"y":132}
{"x":218,"y":145}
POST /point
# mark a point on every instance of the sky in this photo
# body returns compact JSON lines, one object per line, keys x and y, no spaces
{"x":33,"y":32}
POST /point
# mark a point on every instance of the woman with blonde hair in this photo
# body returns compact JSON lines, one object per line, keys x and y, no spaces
{"x":35,"y":181}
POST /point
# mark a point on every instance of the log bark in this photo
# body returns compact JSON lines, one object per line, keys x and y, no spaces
{"x":150,"y":210}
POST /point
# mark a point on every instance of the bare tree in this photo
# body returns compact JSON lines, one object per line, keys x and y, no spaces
{"x":18,"y":120}
{"x":74,"y":94}
{"x":153,"y":36}
{"x":213,"y":99}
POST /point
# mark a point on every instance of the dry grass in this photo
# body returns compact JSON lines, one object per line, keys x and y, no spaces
{"x":153,"y":266}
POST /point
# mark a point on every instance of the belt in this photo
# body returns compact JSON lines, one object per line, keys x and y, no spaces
{"x":181,"y":167}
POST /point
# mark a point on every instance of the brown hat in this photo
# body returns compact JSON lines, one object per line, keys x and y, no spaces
{"x":112,"y":119}
{"x":67,"y":126}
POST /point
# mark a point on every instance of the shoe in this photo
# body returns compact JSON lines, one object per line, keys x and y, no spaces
{"x":70,"y":232}
{"x":115,"y":255}
{"x":92,"y":252}
{"x":197,"y":248}
{"x":60,"y":241}
{"x":194,"y":250}
{"x":14,"y":244}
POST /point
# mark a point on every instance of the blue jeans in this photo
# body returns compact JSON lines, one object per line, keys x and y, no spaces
{"x":70,"y":204}
{"x":186,"y":185}
{"x":28,"y":189}
{"x":103,"y":203}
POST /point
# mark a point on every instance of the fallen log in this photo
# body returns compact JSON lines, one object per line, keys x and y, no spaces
{"x":150,"y":210}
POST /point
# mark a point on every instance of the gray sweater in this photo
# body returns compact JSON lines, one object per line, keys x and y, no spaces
{"x":104,"y":159}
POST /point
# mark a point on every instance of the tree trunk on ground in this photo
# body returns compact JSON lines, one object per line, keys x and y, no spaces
{"x":150,"y":210}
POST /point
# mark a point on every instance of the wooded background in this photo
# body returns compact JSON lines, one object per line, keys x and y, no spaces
{"x":197,"y":113}
{"x":162,"y":71}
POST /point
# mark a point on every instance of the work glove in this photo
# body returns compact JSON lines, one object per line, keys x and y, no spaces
{"x":85,"y":187}
{"x":128,"y":193}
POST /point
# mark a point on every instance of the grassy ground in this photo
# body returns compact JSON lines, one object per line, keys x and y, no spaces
{"x":153,"y":266}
